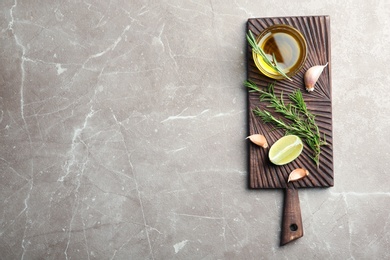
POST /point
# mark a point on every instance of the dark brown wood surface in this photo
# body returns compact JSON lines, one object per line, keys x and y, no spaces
{"x":292,"y":227}
{"x":262,"y":173}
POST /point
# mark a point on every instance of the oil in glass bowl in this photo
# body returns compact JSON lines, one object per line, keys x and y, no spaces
{"x":288,"y":46}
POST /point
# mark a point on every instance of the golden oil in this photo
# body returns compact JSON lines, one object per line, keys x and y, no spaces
{"x":288,"y":46}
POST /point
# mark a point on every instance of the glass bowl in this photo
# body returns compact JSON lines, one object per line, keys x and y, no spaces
{"x":287,"y":44}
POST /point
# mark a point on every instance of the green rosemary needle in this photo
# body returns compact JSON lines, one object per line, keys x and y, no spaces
{"x":256,"y":48}
{"x":301,"y":121}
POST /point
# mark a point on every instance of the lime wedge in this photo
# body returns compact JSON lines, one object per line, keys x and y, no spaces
{"x":285,"y":150}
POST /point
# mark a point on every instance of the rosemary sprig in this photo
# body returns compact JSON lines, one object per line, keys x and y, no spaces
{"x":301,"y":120}
{"x":256,"y":48}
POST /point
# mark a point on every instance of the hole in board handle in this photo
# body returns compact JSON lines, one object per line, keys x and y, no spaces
{"x":293,"y":227}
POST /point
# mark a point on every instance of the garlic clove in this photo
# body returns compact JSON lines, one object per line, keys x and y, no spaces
{"x":259,"y":140}
{"x":311,"y":76}
{"x":297,"y":174}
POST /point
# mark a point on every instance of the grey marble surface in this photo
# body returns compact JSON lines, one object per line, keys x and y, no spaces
{"x":123,"y":125}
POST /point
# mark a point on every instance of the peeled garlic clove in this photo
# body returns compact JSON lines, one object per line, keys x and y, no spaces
{"x":312,"y":75}
{"x":259,"y":140}
{"x":297,"y":174}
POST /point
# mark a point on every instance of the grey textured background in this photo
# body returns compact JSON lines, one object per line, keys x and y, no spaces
{"x":123,"y":125}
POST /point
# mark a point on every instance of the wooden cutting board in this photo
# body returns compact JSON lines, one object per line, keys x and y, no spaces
{"x":262,"y":173}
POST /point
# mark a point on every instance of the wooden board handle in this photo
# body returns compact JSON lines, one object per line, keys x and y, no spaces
{"x":292,"y":227}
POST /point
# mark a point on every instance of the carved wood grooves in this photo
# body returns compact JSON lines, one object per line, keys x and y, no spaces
{"x":262,"y":173}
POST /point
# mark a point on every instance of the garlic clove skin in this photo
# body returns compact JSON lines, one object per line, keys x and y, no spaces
{"x":297,"y":174}
{"x":259,"y":140}
{"x":311,"y":76}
